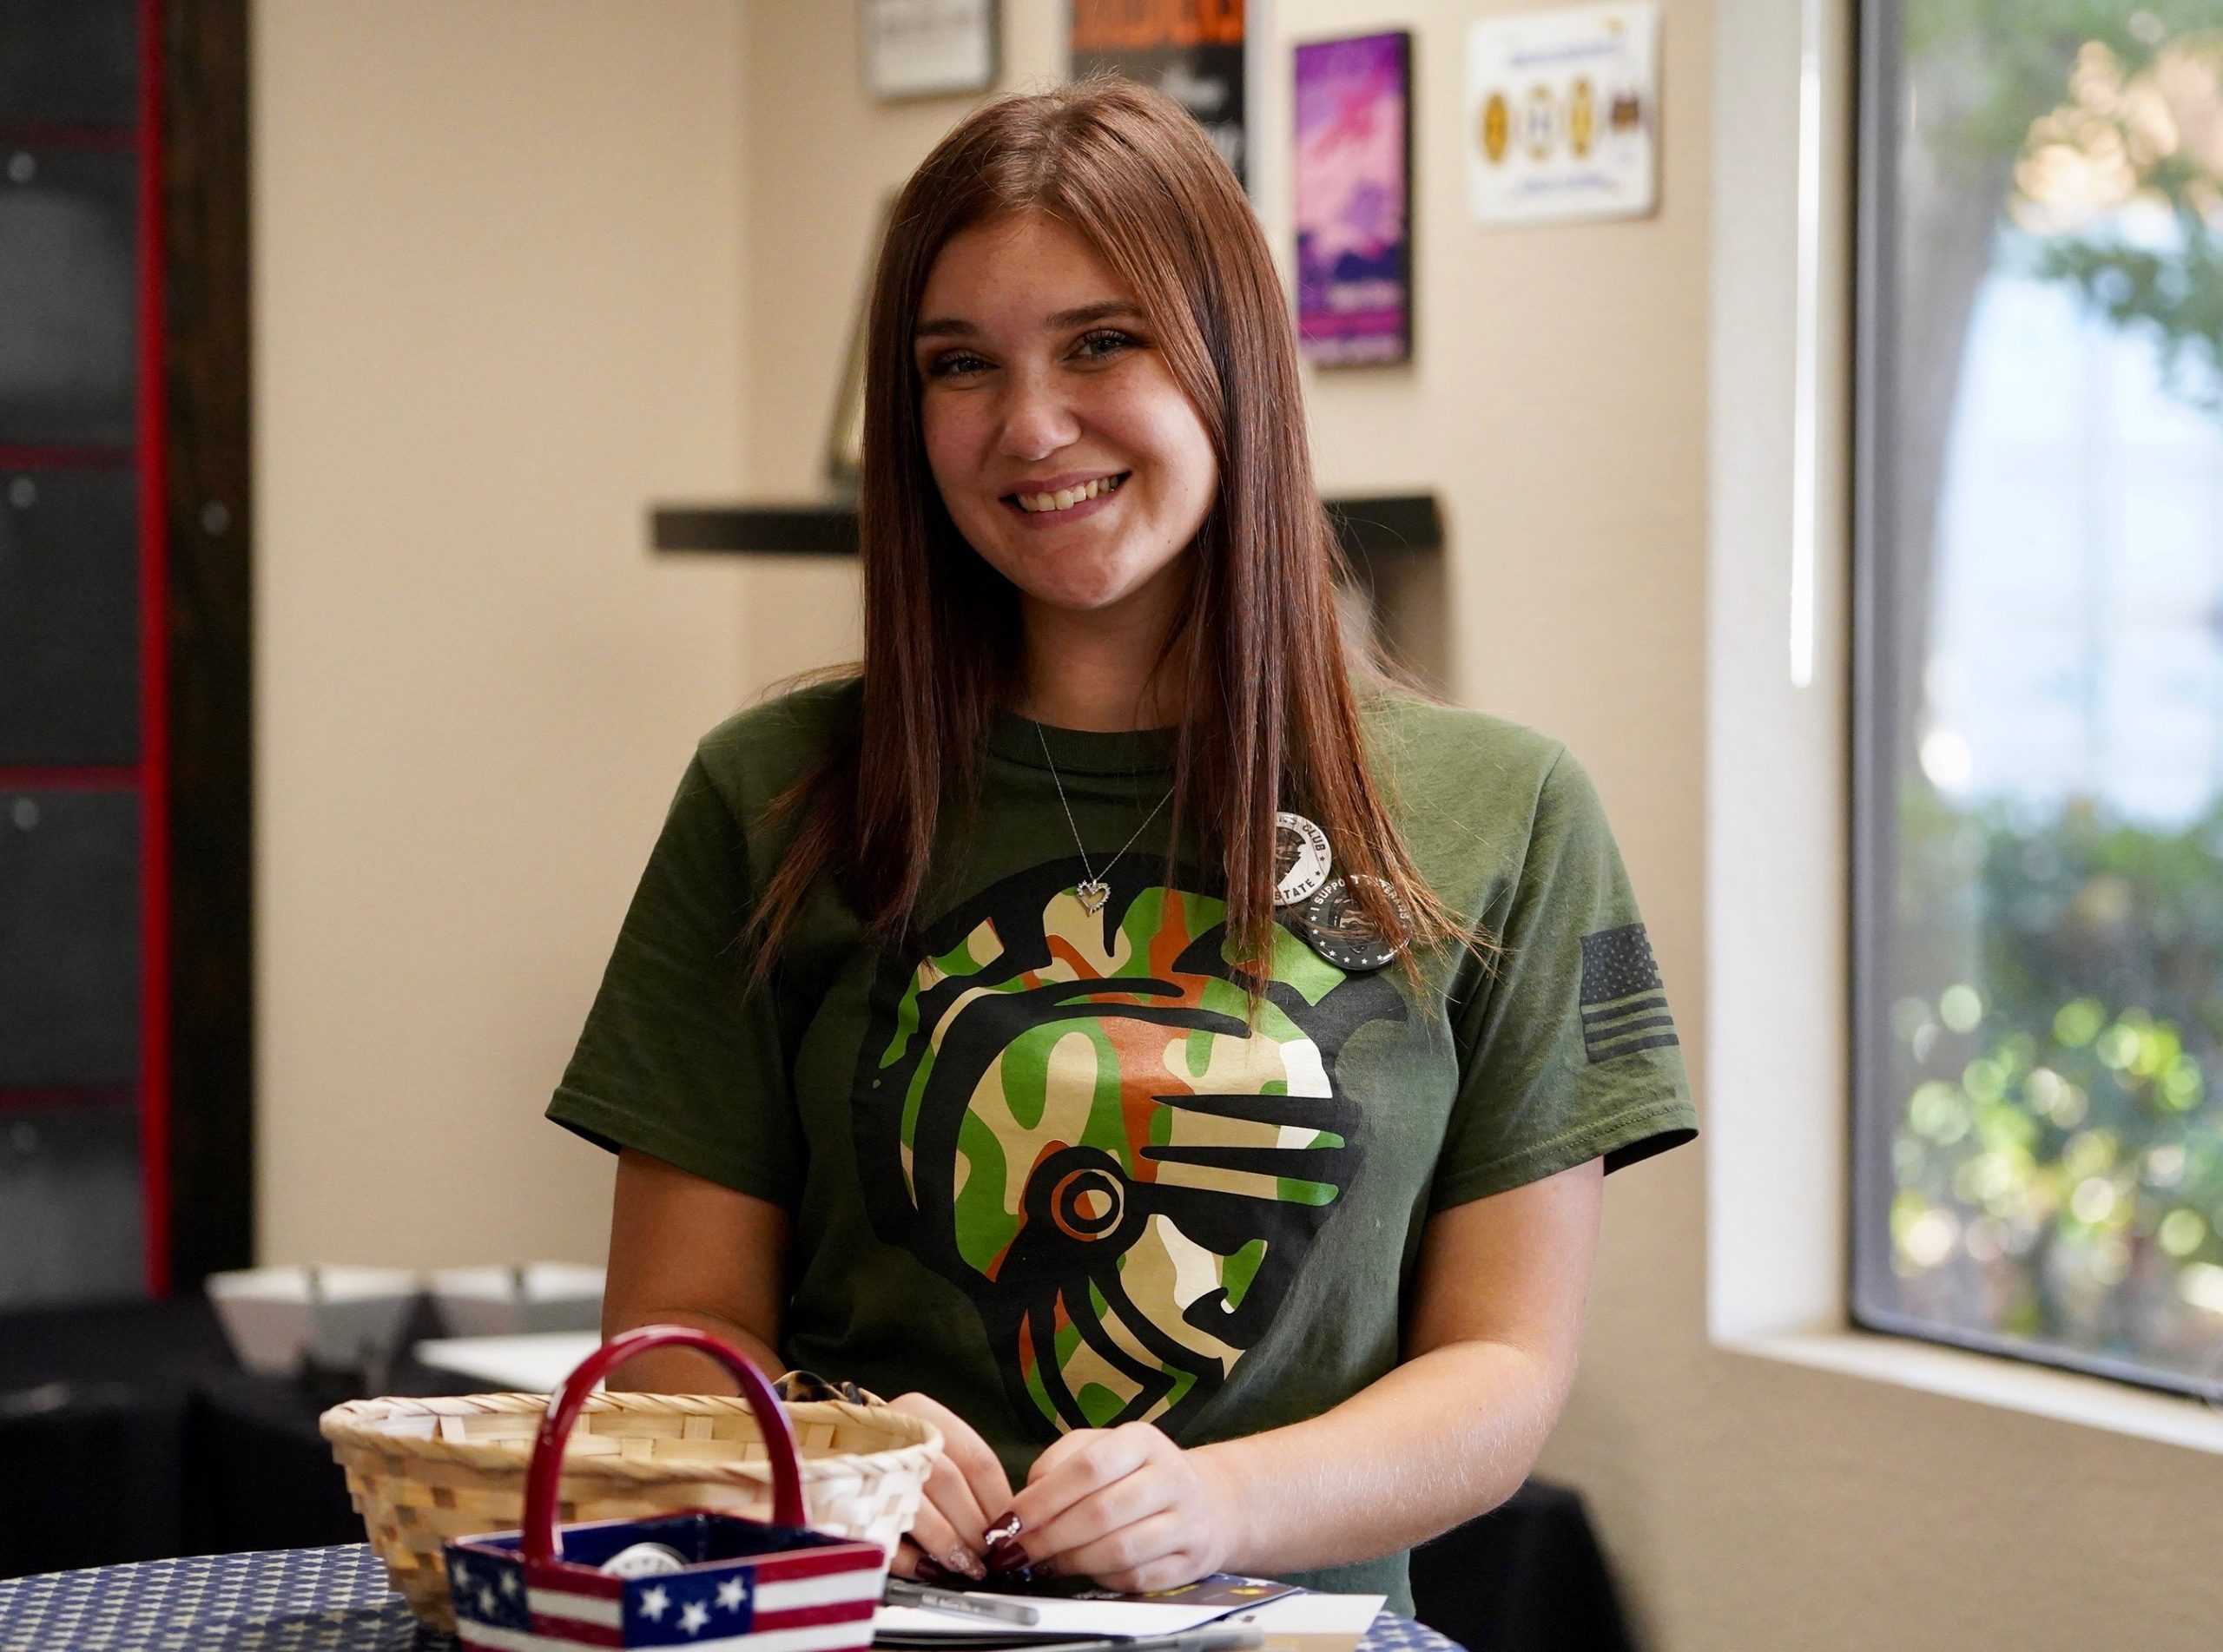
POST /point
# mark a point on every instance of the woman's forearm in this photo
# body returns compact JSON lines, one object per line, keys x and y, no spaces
{"x":683,"y":1371}
{"x":1443,"y":1438}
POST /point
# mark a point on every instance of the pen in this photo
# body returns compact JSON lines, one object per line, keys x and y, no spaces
{"x":1198,"y":1640}
{"x":904,"y":1592}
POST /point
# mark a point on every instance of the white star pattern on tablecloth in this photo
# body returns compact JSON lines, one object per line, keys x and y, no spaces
{"x":731,"y":1593}
{"x":509,"y":1584}
{"x":694,"y":1618}
{"x":654,"y":1602}
{"x":486,"y":1600}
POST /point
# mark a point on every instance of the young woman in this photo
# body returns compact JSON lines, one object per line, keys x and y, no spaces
{"x":1174,"y":1060}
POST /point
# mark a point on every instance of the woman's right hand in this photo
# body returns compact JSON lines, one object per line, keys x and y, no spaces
{"x":965,"y":1484}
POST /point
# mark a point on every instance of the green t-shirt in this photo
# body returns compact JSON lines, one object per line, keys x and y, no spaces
{"x":1044,"y":1170}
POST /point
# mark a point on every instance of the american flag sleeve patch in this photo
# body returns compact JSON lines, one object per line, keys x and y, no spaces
{"x":1624,"y":1007}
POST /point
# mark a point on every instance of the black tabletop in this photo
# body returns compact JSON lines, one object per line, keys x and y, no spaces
{"x":292,"y":1600}
{"x":126,"y":1433}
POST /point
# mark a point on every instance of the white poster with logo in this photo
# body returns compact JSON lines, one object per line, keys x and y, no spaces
{"x":1563,"y":114}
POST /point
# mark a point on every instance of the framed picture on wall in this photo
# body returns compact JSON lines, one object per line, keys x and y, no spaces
{"x":1196,"y":55}
{"x":928,"y":48}
{"x":1354,"y":133}
{"x":845,"y":439}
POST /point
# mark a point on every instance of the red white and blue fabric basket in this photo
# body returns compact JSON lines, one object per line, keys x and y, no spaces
{"x":725,"y":1583}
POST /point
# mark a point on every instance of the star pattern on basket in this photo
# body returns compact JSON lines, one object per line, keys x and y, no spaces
{"x":685,"y":1609}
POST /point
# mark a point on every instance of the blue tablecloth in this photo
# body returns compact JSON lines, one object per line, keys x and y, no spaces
{"x":290,"y":1600}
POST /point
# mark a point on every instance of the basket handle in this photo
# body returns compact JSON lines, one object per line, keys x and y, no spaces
{"x":543,"y":1541}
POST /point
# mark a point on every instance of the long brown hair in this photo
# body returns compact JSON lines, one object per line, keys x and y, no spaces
{"x":1271,"y":717}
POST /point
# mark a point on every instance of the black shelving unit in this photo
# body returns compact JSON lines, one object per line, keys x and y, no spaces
{"x":125,"y":882}
{"x":1373,"y":526}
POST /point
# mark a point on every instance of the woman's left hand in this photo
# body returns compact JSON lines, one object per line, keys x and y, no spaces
{"x":1127,"y":1507}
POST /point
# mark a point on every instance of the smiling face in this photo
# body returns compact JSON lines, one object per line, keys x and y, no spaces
{"x":1042,"y":386}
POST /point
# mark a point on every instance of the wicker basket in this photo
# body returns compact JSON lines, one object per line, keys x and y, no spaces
{"x":420,"y":1471}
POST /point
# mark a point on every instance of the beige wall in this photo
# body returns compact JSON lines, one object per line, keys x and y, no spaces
{"x":1557,"y":408}
{"x":510,"y":288}
{"x":498,"y":300}
{"x":815,"y":205}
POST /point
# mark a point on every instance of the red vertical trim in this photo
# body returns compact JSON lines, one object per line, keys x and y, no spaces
{"x":153,"y":668}
{"x":56,"y":134}
{"x":17,"y":458}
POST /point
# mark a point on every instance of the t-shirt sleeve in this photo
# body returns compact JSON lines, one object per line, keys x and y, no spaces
{"x":1567,"y":1048}
{"x":675,"y":1060}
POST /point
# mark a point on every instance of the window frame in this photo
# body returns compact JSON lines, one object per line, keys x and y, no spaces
{"x":1876,"y":711}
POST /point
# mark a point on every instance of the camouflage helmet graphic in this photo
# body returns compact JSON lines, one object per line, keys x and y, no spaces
{"x":1068,"y":1115}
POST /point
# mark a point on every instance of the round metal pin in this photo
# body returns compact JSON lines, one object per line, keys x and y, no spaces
{"x":1302,"y":861}
{"x":1335,"y":926}
{"x":645,"y":1560}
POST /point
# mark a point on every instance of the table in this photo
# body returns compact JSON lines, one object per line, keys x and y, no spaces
{"x":292,"y":1600}
{"x":532,"y":1362}
{"x":126,"y":1433}
{"x":129,"y":1432}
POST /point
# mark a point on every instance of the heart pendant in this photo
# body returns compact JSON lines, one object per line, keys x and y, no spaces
{"x":1093,"y":894}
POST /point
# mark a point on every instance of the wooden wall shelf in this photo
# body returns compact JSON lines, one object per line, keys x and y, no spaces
{"x":1373,"y":526}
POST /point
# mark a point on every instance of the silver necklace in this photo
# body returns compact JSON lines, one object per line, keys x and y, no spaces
{"x":1093,"y":891}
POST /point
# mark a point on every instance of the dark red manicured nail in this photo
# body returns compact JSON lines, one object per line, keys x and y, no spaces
{"x":1002,"y":1532}
{"x":933,"y":1572}
{"x":1005,"y":1555}
{"x":965,"y":1564}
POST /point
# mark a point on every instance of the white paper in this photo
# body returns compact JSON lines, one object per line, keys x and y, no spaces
{"x":1081,"y":1619}
{"x":1563,"y":114}
{"x":1309,"y":1622}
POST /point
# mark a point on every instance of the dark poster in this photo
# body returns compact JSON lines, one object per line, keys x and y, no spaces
{"x":1190,"y":49}
{"x":1354,"y":192}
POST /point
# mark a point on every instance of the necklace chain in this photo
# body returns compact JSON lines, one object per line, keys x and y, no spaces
{"x":1095,"y":879}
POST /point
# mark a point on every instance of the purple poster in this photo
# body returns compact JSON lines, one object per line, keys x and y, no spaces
{"x":1354,"y":174}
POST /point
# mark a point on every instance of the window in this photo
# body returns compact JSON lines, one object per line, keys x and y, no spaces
{"x":2038,"y":1015}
